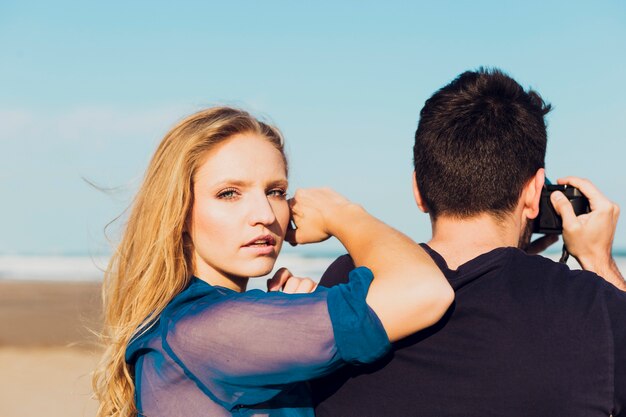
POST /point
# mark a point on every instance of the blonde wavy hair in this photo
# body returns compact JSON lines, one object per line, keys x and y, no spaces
{"x":153,"y":261}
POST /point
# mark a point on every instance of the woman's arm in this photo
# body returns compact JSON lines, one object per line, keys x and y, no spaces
{"x":244,"y":348}
{"x":409,"y":291}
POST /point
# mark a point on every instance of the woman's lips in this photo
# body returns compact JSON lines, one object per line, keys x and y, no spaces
{"x":262,"y":245}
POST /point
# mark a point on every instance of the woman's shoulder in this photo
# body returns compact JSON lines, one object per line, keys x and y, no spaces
{"x":197,"y":291}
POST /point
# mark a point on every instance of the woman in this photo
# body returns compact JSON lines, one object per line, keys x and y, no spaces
{"x":182,"y":336}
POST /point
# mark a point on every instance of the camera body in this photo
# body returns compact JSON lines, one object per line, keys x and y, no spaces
{"x":548,"y":222}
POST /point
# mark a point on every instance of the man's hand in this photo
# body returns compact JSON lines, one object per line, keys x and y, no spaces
{"x":285,"y":281}
{"x":541,"y":244}
{"x":589,"y":237}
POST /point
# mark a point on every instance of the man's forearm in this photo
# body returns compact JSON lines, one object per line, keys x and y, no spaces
{"x":610,"y":272}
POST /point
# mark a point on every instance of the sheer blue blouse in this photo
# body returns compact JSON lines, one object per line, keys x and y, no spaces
{"x":216,"y":352}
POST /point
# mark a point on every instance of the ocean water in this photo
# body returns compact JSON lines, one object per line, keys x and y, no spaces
{"x":52,"y":268}
{"x":90,"y":268}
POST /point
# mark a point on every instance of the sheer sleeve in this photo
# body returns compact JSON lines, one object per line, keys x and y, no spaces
{"x":245,"y":347}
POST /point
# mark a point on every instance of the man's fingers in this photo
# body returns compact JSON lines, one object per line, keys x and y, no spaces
{"x":583,"y":185}
{"x":597,"y":200}
{"x":563,"y":208}
{"x":278,"y":280}
{"x":590,"y":191}
{"x":539,"y":245}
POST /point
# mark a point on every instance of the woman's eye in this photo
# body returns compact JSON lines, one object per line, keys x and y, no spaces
{"x":227,"y":194}
{"x":277,"y":192}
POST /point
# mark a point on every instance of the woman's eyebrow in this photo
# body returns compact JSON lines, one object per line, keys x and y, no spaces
{"x":236,"y":182}
{"x":281,"y":182}
{"x":244,"y":183}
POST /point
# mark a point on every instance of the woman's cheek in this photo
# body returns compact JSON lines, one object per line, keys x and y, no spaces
{"x":213,"y":222}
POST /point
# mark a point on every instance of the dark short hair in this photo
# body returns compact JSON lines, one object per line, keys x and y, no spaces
{"x":478,"y":141}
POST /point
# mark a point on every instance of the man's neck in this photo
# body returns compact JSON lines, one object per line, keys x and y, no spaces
{"x":461,"y":240}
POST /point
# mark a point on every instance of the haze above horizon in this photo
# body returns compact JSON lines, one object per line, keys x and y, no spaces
{"x":89,"y":89}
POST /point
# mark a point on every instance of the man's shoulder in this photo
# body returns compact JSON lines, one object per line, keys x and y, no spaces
{"x":338,"y":272}
{"x":538,"y":271}
{"x":508,"y":263}
{"x":538,"y":279}
{"x":542,"y":267}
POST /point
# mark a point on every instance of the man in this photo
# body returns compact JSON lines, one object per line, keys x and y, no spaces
{"x":525,"y":336}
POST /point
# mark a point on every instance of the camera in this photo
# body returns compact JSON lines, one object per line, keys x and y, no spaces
{"x":548,"y":222}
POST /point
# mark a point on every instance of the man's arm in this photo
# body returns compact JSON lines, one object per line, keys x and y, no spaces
{"x":589,"y":237}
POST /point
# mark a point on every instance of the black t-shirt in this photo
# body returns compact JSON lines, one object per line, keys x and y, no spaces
{"x":525,"y":336}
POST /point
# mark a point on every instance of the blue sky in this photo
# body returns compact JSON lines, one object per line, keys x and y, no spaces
{"x":88,"y":89}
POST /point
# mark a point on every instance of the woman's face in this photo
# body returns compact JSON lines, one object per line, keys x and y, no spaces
{"x":240,"y":212}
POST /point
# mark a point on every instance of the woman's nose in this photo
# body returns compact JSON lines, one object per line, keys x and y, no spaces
{"x":261,"y":211}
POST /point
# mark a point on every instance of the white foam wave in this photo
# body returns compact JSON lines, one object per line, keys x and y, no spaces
{"x":85,"y":268}
{"x":52,"y":268}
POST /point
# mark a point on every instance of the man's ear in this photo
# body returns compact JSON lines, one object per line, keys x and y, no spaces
{"x":531,"y":194}
{"x":418,"y":197}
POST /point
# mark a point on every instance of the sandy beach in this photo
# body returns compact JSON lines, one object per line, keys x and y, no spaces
{"x":47,"y":352}
{"x":48,"y":349}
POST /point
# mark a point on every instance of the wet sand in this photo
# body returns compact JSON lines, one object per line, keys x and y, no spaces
{"x":47,"y":348}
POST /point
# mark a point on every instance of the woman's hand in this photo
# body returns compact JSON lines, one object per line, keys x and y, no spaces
{"x":314,"y":212}
{"x":284,"y":281}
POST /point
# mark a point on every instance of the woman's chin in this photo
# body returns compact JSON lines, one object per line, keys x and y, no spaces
{"x":261,"y":273}
{"x":262,"y":268}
